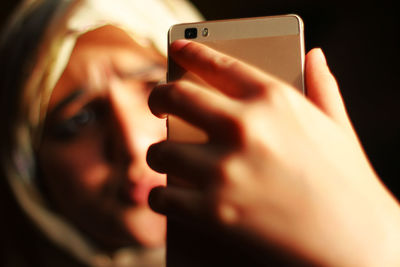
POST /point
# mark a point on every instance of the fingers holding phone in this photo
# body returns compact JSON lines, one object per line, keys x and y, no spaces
{"x":293,"y":170}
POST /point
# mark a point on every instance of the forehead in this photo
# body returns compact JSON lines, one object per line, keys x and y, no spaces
{"x":102,"y":50}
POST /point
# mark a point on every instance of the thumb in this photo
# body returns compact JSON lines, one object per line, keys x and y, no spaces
{"x":322,"y":88}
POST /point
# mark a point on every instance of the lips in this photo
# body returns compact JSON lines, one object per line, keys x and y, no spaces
{"x":138,"y":193}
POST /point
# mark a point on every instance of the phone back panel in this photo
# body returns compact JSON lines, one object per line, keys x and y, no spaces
{"x":273,"y":44}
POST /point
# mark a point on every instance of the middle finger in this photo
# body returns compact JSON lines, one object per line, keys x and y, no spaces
{"x":215,"y":113}
{"x":192,"y":165}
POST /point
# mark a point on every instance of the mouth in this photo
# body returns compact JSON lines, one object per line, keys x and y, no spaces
{"x":138,"y":193}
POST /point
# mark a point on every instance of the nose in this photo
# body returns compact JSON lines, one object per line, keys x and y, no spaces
{"x":132,"y":129}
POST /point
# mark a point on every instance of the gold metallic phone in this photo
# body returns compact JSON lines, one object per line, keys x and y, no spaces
{"x":273,"y":44}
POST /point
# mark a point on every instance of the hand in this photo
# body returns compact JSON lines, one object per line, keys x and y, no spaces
{"x":285,"y":169}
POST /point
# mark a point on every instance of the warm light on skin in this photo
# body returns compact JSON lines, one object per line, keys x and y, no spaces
{"x":93,"y":153}
{"x":285,"y":171}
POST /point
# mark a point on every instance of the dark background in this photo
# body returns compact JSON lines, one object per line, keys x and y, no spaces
{"x":361,"y":43}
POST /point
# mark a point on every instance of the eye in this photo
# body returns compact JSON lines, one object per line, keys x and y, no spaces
{"x":71,"y":127}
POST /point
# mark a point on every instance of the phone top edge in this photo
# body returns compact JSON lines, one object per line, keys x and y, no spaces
{"x":254,"y":27}
{"x":297,"y":17}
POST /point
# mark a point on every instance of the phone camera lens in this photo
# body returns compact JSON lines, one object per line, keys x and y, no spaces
{"x":191,"y":33}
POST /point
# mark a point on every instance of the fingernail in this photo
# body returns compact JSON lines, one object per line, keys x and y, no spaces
{"x":154,"y":158}
{"x":155,"y":199}
{"x":178,"y":45}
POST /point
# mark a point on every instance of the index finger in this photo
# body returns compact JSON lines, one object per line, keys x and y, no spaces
{"x":225,"y":73}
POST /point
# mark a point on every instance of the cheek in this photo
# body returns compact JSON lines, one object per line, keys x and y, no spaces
{"x":157,"y":127}
{"x":77,"y":169}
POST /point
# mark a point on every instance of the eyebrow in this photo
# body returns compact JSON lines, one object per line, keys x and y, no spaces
{"x":143,"y":73}
{"x":67,"y":100}
{"x":137,"y":74}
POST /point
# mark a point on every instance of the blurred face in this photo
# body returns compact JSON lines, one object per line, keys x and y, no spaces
{"x":98,"y":128}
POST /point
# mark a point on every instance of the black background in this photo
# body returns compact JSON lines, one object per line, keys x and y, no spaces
{"x":361,"y":43}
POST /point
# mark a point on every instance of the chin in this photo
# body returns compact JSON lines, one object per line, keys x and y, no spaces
{"x":146,"y":227}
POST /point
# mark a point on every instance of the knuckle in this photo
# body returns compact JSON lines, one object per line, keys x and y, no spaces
{"x":223,"y":206}
{"x":278,"y":96}
{"x":219,"y":63}
{"x":234,"y":130}
{"x":176,"y":91}
{"x":178,"y":87}
{"x":274,"y":91}
{"x":225,"y":212}
{"x":223,"y":172}
{"x":262,"y":88}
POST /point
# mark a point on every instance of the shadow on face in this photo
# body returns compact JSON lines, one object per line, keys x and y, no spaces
{"x":98,"y":128}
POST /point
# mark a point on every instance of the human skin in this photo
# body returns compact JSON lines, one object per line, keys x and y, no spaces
{"x":92,"y":157}
{"x":284,"y":169}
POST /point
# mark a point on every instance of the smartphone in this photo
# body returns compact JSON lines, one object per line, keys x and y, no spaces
{"x":274,"y":44}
